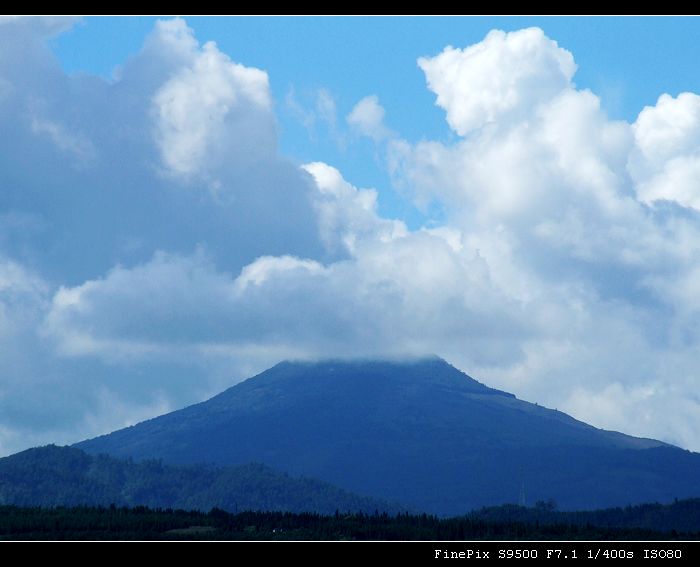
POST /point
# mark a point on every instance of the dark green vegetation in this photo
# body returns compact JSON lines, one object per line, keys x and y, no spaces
{"x":64,"y":476}
{"x":142,"y":523}
{"x":421,"y":433}
{"x":682,"y":516}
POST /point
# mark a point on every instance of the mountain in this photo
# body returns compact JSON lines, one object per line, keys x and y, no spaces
{"x":421,"y":433}
{"x":64,"y":476}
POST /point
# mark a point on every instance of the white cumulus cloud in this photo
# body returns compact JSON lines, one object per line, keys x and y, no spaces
{"x":504,"y":76}
{"x":666,"y":163}
{"x":206,"y":100}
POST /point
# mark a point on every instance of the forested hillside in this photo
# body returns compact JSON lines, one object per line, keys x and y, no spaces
{"x":65,"y":476}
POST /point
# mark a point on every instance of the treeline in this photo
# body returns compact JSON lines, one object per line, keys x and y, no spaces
{"x":115,"y":523}
{"x":680,"y":516}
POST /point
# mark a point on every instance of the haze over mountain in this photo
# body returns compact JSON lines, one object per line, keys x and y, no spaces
{"x":421,"y":433}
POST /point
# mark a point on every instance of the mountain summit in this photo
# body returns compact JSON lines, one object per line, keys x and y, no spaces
{"x":421,"y":433}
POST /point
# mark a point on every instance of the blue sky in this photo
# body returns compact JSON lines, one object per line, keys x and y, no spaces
{"x":185,"y":202}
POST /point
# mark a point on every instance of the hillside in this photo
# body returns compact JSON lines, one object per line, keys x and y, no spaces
{"x":64,"y":476}
{"x":421,"y":433}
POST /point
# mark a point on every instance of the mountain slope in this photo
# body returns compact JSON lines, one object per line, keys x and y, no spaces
{"x":422,"y":433}
{"x":65,"y":476}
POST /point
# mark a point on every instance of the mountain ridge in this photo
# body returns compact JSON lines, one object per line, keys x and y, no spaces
{"x":420,"y":432}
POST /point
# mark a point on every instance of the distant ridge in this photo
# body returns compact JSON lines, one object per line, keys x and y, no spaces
{"x":65,"y":476}
{"x":421,"y":433}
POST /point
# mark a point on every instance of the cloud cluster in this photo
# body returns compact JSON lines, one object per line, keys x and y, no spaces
{"x":178,"y":153}
{"x":167,"y":250}
{"x":590,"y":223}
{"x":382,"y":301}
{"x":183,"y":135}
